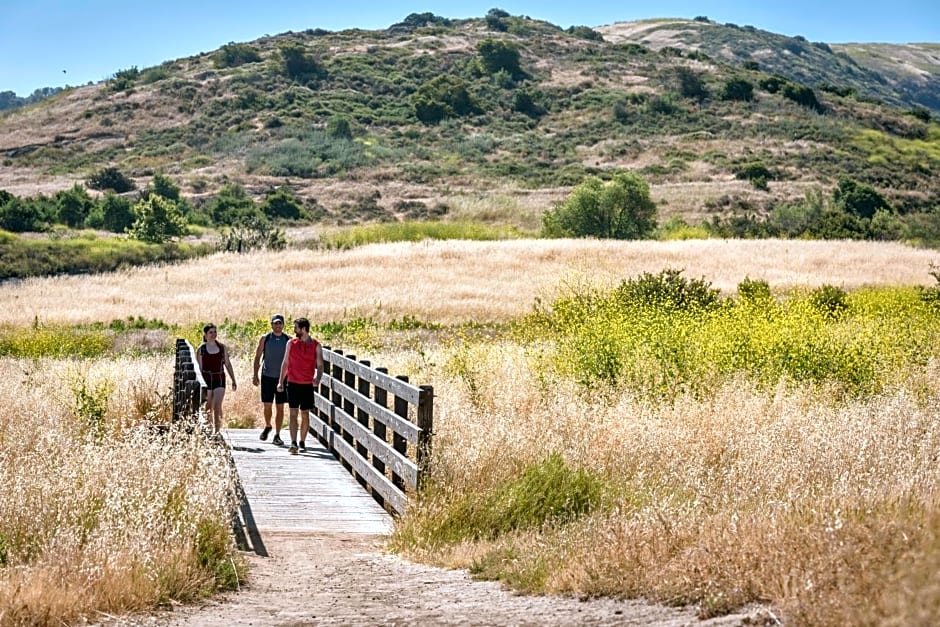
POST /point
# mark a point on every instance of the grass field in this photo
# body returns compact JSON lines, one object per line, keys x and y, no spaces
{"x":717,"y":457}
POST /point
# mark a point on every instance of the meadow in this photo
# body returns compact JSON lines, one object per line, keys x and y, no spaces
{"x":720,"y":446}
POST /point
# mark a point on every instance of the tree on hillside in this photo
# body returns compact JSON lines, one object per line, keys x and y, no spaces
{"x":158,"y":221}
{"x":73,"y":206}
{"x":444,"y":96}
{"x":619,"y":209}
{"x":232,"y":204}
{"x":299,"y":65}
{"x":498,"y":55}
{"x":859,"y":199}
{"x":111,"y":178}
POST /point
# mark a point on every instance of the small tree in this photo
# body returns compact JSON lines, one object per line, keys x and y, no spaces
{"x":232,"y":204}
{"x":158,"y":221}
{"x":737,"y":89}
{"x":496,"y":55}
{"x":859,"y":199}
{"x":299,"y":65}
{"x":73,"y":206}
{"x":19,"y":216}
{"x":117,"y":213}
{"x":162,"y":185}
{"x":281,"y":203}
{"x":443,"y":97}
{"x":111,"y":178}
{"x":620,"y":209}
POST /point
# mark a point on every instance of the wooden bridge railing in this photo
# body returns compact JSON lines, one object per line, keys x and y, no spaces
{"x":189,"y":388}
{"x":377,"y":425}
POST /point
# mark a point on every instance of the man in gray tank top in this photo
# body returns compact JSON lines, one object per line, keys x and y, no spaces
{"x":269,"y":355}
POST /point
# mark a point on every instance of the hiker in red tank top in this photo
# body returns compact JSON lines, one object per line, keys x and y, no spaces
{"x":213,"y":360}
{"x":302,"y":369}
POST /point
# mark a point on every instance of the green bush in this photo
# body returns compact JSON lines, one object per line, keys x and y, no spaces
{"x":619,"y":209}
{"x":737,"y":89}
{"x":233,"y":55}
{"x":497,"y":55}
{"x":547,"y":492}
{"x":445,"y":96}
{"x":829,"y":300}
{"x":158,"y":221}
{"x":111,"y":178}
{"x":668,"y":290}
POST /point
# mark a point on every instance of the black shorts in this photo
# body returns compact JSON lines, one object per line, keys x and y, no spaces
{"x":214,"y":381}
{"x":300,"y":395}
{"x":269,"y":393}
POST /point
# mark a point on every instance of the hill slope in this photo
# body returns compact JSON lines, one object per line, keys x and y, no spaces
{"x":334,"y":116}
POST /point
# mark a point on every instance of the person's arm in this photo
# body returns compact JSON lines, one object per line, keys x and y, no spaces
{"x":319,"y":373}
{"x":258,"y":353}
{"x":199,"y":356}
{"x":283,"y":375}
{"x":231,"y":372}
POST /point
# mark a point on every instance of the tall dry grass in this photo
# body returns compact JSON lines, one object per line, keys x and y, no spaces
{"x":440,"y":281}
{"x":97,"y":514}
{"x":829,"y":512}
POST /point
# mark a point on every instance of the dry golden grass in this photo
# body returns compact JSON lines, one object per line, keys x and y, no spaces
{"x":828,"y":512}
{"x":825,"y":510}
{"x":102,"y":521}
{"x":445,"y":282}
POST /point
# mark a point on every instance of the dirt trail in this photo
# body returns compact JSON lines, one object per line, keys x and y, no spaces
{"x":349,"y":580}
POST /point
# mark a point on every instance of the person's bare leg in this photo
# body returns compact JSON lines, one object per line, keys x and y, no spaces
{"x":278,"y":418}
{"x":304,"y":424}
{"x":217,"y":401}
{"x":267,"y":415}
{"x":293,"y":425}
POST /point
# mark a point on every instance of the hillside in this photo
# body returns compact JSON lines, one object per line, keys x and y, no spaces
{"x":334,"y":117}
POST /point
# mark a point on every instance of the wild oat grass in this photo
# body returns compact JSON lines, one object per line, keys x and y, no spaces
{"x":97,"y":513}
{"x":826,"y":509}
{"x":441,"y":281}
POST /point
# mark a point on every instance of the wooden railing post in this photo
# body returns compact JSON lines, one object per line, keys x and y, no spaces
{"x":349,"y":378}
{"x":362,"y":417}
{"x":425,"y":422}
{"x":378,"y":428}
{"x":398,"y":441}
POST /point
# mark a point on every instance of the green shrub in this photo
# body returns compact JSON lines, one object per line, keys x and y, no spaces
{"x":158,"y":221}
{"x":233,"y":55}
{"x":737,"y":89}
{"x":668,"y":290}
{"x":547,"y":492}
{"x":111,"y":178}
{"x":829,"y":300}
{"x":620,"y":209}
{"x":754,"y":291}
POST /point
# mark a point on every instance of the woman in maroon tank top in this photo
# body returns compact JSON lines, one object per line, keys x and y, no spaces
{"x":213,"y":362}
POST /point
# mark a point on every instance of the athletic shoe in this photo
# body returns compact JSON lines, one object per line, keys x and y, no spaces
{"x":303,"y":447}
{"x":265,"y":432}
{"x":277,"y":441}
{"x":293,"y":449}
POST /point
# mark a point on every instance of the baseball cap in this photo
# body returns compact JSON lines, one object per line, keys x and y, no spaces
{"x":277,"y":318}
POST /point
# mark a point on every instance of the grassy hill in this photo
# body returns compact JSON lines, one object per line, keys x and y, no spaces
{"x":334,"y":118}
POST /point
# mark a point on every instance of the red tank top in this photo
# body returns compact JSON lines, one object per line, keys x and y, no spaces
{"x":303,"y":361}
{"x":212,"y":364}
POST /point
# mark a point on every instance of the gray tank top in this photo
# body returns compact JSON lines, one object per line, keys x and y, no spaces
{"x":273,"y":355}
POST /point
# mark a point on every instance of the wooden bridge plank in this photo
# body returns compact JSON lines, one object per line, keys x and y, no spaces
{"x":307,"y":493}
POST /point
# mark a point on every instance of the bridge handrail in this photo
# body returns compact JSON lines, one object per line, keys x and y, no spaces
{"x":189,"y":386}
{"x":383,"y":442}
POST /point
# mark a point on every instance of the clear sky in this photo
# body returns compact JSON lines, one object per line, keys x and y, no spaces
{"x":53,"y":43}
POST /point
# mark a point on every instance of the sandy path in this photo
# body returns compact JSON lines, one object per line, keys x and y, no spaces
{"x":349,"y":580}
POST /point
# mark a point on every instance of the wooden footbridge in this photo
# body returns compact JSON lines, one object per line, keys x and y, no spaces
{"x":370,"y":437}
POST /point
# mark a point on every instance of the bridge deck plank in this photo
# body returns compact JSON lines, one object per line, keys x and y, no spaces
{"x":306,"y":493}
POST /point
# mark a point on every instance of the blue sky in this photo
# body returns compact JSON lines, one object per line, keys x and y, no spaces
{"x":52,"y":43}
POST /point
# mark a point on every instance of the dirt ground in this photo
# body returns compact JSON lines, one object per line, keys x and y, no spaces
{"x":349,"y":580}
